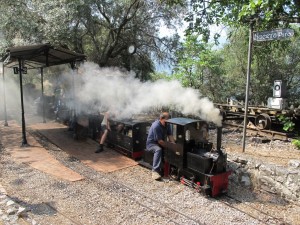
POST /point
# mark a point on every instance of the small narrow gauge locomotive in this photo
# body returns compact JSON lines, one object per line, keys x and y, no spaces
{"x":192,"y":159}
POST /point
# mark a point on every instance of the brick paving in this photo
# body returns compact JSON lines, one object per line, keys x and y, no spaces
{"x":34,"y":155}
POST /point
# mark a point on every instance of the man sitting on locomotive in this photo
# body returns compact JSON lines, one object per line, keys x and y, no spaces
{"x":158,"y":133}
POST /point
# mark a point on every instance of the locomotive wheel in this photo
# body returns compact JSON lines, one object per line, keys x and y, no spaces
{"x":263,"y":121}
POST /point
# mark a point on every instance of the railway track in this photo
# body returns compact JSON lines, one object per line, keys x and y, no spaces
{"x":270,"y":134}
{"x":252,"y":211}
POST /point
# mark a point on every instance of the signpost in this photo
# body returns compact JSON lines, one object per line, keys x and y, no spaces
{"x":273,"y":35}
{"x":277,"y":34}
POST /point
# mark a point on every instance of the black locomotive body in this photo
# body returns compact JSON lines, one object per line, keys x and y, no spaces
{"x":86,"y":125}
{"x":129,"y":136}
{"x":194,"y":160}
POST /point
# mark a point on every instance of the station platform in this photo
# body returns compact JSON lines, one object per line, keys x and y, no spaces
{"x":39,"y":158}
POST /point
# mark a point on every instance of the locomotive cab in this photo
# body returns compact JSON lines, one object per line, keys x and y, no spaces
{"x":194,"y":159}
{"x":188,"y":134}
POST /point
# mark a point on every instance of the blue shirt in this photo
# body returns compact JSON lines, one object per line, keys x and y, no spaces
{"x":157,"y":132}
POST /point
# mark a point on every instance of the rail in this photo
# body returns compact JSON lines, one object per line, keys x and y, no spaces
{"x":271,"y":134}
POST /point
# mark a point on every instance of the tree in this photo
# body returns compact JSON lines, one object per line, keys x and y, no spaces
{"x":200,"y":67}
{"x":234,"y":55}
{"x":234,"y":13}
{"x":102,"y":30}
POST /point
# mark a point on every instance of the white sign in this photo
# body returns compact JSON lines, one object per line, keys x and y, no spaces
{"x":273,"y":35}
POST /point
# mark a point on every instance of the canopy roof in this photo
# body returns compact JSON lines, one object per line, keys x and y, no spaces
{"x":42,"y":55}
{"x":182,"y":121}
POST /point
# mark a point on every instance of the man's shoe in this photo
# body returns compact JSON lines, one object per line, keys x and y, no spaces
{"x":156,"y":175}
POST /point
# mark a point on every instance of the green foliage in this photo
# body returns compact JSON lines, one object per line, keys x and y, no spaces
{"x":200,"y":67}
{"x":102,"y":30}
{"x":288,"y":124}
{"x":160,"y":75}
{"x":296,"y":143}
{"x":236,"y":13}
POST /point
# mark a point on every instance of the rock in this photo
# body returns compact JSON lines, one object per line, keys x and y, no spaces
{"x":2,"y":190}
{"x":268,"y":181}
{"x":280,"y":179}
{"x":21,"y":211}
{"x":281,"y":171}
{"x":294,"y":163}
{"x":260,"y":140}
{"x":10,"y":202}
{"x":233,"y":166}
{"x":268,"y":170}
{"x":5,"y":217}
{"x":246,"y":180}
{"x":292,"y":182}
{"x":242,"y":161}
{"x":3,"y":202}
{"x":257,"y":165}
{"x":11,"y":211}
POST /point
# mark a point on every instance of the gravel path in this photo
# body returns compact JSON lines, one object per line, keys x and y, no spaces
{"x":127,"y":196}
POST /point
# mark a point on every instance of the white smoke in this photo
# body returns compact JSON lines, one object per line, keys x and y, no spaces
{"x":111,"y":89}
{"x":9,"y":97}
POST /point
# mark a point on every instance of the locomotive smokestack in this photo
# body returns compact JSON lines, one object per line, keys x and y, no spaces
{"x":219,"y":139}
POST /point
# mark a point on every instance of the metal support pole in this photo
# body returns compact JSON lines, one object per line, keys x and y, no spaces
{"x":4,"y":96}
{"x":74,"y":119}
{"x":43,"y":99}
{"x":24,"y":140}
{"x":130,"y":63}
{"x":248,"y":82}
{"x":74,"y":95}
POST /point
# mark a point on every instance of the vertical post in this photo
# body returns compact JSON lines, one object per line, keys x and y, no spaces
{"x":219,"y":140}
{"x":4,"y":97}
{"x":248,"y":82}
{"x":74,"y":116}
{"x":24,"y":140}
{"x":43,"y":99}
{"x":130,"y":63}
{"x":74,"y":93}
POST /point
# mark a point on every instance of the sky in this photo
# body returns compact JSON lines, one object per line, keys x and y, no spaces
{"x":164,"y":31}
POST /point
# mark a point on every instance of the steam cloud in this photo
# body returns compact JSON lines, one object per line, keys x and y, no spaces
{"x":100,"y":89}
{"x":111,"y":89}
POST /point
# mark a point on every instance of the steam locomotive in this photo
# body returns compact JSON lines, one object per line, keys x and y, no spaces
{"x":192,"y":160}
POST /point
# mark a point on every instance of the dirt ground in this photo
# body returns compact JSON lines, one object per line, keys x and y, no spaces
{"x":273,"y":151}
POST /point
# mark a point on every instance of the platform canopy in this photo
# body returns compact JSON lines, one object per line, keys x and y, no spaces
{"x":22,"y":58}
{"x":41,"y":55}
